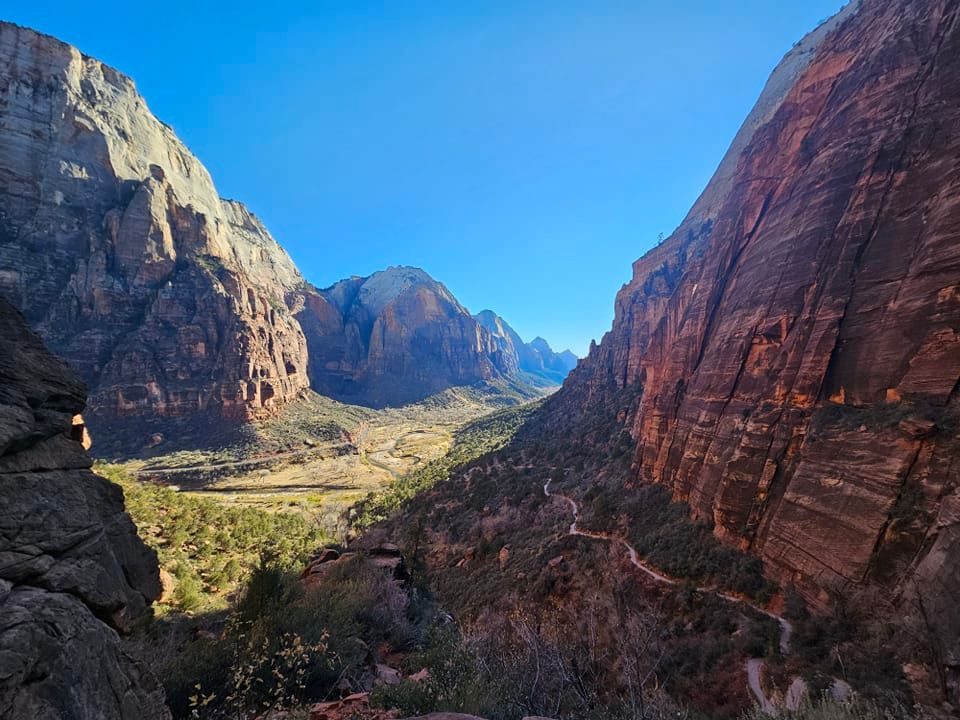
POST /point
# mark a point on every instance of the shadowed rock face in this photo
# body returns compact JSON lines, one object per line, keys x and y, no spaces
{"x":395,"y":337}
{"x":165,"y":298}
{"x":796,"y":339}
{"x":72,"y":569}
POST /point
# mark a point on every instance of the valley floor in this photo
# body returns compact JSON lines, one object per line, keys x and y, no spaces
{"x":320,"y":457}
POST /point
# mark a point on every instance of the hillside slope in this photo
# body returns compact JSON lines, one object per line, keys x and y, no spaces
{"x":784,"y":368}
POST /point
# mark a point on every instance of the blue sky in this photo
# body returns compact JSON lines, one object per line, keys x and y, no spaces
{"x":524,"y":153}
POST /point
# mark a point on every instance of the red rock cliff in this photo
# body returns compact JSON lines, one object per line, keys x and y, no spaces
{"x":113,"y":241}
{"x":796,"y":339}
{"x":396,"y":337}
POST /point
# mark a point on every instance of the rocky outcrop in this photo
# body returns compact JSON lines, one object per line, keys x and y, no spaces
{"x":536,"y":358}
{"x":72,"y":569}
{"x":394,"y":337}
{"x":166,"y":299}
{"x":794,"y":344}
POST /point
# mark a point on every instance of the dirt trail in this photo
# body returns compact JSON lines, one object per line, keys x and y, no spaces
{"x":754,"y":667}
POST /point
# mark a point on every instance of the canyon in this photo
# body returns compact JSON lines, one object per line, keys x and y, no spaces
{"x":535,"y":358}
{"x":783,"y":369}
{"x":172,"y":302}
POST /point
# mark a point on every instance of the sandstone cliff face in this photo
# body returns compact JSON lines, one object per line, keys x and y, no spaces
{"x":535,"y":358}
{"x":395,"y":337}
{"x":72,"y":569}
{"x":796,"y":339}
{"x":114,"y":242}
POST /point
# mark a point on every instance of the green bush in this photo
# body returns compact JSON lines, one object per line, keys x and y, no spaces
{"x":206,"y":545}
{"x":284,"y":644}
{"x":455,"y":681}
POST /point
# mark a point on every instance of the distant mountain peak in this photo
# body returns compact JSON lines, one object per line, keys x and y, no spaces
{"x":541,"y":344}
{"x":384,"y":286}
{"x":536,"y":357}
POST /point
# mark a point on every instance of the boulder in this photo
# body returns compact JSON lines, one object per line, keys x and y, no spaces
{"x":72,"y":570}
{"x":386,"y":675}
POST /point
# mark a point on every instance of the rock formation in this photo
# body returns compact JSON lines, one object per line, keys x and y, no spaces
{"x":171,"y":301}
{"x":796,"y":342}
{"x":113,"y":241}
{"x":535,"y":358}
{"x":394,"y":337}
{"x":72,"y":569}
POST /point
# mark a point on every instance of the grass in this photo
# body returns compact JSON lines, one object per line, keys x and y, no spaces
{"x":827,"y":709}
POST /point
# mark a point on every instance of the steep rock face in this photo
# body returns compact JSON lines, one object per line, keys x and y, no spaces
{"x":114,"y":242}
{"x":796,"y":339}
{"x":536,"y":357}
{"x":71,"y":565}
{"x":395,"y":337}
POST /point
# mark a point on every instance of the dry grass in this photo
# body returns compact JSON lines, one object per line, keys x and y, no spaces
{"x":320,"y":457}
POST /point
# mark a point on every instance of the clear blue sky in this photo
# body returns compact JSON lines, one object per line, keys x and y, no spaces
{"x":524,"y":153}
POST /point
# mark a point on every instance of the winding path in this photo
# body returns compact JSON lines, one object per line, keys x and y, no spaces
{"x":754,"y":666}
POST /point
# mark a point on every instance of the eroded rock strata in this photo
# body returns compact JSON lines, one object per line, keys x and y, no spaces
{"x":795,"y":342}
{"x":72,"y":569}
{"x":394,"y":337}
{"x":172,"y":302}
{"x":114,"y":242}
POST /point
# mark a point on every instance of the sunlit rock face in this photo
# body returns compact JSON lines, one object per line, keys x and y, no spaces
{"x":167,"y":299}
{"x":72,"y":569}
{"x":794,"y":344}
{"x":535,"y":358}
{"x":172,"y":302}
{"x":395,"y":337}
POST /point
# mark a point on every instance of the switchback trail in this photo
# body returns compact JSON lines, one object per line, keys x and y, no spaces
{"x":753,"y":666}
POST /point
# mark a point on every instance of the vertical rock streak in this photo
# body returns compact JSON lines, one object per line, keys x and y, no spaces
{"x":797,"y":339}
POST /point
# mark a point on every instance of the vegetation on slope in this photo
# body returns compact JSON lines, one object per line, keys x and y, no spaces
{"x":494,"y":544}
{"x":283,"y":645}
{"x":479,"y":437}
{"x":208,"y":548}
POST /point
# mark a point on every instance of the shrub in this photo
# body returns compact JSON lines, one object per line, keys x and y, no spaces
{"x":209,"y":546}
{"x":826,"y":708}
{"x":284,"y":644}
